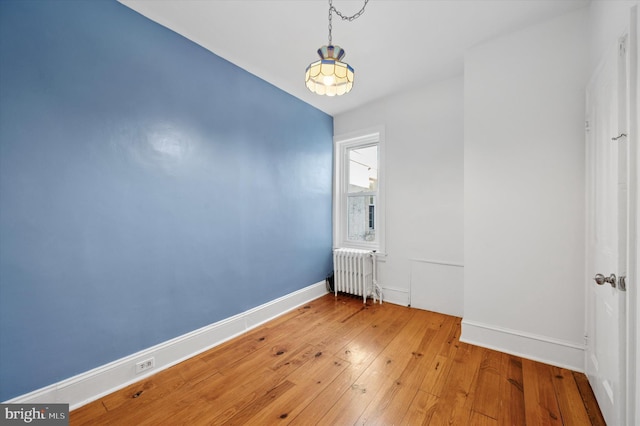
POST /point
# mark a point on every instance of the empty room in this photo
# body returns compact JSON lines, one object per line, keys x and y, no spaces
{"x":335,"y":212}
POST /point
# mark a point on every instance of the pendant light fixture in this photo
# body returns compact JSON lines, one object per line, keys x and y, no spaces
{"x":330,"y":76}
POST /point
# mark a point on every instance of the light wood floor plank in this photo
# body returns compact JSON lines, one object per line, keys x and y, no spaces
{"x":512,"y":411}
{"x":337,"y":361}
{"x":589,"y":400}
{"x":478,"y":419}
{"x":310,"y":381}
{"x":376,"y":374}
{"x":541,"y":405}
{"x":568,"y":396}
{"x":486,"y":399}
{"x":454,"y":405}
{"x":405,"y":361}
{"x":421,"y":409}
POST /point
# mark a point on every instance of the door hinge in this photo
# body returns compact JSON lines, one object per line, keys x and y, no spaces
{"x":586,"y":126}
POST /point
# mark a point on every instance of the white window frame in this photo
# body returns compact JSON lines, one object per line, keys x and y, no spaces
{"x":342,"y":143}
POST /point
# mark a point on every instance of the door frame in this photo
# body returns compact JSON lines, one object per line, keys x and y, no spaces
{"x":633,"y":252}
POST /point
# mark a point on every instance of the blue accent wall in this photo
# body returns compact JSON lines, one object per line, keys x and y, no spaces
{"x":147,"y":188}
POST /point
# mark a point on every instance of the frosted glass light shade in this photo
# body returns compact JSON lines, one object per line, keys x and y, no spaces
{"x":329,"y":76}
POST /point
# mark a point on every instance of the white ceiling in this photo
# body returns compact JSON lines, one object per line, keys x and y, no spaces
{"x":393,"y":46}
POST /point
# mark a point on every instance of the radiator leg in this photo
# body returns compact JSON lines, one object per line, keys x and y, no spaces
{"x":376,"y":287}
{"x":336,"y":272}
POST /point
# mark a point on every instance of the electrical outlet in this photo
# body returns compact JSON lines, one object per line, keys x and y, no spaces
{"x":145,"y":365}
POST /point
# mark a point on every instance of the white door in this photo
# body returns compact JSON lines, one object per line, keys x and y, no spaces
{"x":607,"y":234}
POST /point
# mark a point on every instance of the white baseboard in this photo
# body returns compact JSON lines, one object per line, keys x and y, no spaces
{"x":526,"y":345}
{"x":94,"y":384}
{"x":395,"y":295}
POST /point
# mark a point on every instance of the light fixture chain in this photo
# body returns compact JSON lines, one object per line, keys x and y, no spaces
{"x":344,"y":17}
{"x":347,"y":18}
{"x":330,"y":18}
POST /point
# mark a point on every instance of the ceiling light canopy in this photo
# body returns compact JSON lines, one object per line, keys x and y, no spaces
{"x":330,"y":76}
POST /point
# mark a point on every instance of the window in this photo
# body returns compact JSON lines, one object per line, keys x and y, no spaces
{"x":358,"y":203}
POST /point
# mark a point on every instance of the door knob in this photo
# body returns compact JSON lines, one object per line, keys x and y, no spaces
{"x":601,"y":279}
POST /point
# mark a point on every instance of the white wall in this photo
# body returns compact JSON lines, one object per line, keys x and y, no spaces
{"x":524,"y":191}
{"x":424,"y":187}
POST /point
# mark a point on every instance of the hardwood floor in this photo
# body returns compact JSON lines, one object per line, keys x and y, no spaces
{"x":336,"y":361}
